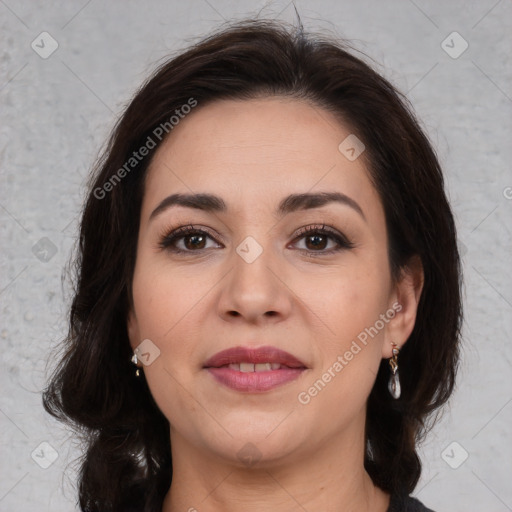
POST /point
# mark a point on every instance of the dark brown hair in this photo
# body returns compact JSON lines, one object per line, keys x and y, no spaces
{"x":127,"y":461}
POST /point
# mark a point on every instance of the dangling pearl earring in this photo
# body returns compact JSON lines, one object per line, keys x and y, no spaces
{"x":135,"y":361}
{"x":394,"y":380}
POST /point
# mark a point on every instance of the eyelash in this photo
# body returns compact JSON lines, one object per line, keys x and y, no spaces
{"x":167,"y":241}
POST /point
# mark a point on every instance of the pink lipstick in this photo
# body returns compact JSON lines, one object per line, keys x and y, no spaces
{"x":254,"y":369}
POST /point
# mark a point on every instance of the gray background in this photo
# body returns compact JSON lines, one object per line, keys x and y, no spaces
{"x":57,"y":112}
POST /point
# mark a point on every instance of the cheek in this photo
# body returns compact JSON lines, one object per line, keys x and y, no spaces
{"x":163,"y":297}
{"x":349,"y":353}
{"x":350,"y":303}
{"x":164,"y":304}
{"x":348,"y":300}
{"x":169,"y":302}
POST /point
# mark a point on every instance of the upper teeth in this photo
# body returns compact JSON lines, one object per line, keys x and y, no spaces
{"x":254,"y":367}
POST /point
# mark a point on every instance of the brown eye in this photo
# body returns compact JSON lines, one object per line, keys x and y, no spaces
{"x":194,"y":241}
{"x":186,"y":239}
{"x":320,"y":240}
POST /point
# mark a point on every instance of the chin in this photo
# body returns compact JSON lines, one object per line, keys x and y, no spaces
{"x":264,"y":443}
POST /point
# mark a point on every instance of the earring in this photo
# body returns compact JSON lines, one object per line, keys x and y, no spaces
{"x":394,"y":381}
{"x":135,"y":361}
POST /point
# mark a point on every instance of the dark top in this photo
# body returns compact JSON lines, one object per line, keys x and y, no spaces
{"x":406,"y":504}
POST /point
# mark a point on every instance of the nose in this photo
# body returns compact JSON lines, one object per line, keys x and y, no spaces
{"x":255,"y":291}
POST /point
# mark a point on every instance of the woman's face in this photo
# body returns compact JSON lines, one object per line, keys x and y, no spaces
{"x":249,"y":276}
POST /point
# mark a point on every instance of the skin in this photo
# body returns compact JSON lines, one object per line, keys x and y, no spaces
{"x":253,"y":153}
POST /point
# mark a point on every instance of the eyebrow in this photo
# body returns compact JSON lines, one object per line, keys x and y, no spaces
{"x":291,"y":203}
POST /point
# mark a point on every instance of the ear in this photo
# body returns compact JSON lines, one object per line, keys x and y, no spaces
{"x":132,"y":326}
{"x":404,"y":301}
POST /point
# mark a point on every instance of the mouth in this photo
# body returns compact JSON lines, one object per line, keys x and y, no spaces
{"x":254,"y":369}
{"x":247,"y":359}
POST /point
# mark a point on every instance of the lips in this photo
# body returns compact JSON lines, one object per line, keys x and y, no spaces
{"x":255,"y":356}
{"x":254,"y":369}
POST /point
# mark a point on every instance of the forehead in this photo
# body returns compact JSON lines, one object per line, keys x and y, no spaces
{"x":253,"y":149}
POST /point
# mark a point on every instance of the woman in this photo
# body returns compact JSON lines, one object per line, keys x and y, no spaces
{"x":267,"y":307}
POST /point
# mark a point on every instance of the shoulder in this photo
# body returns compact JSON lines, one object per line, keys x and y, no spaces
{"x":406,"y":503}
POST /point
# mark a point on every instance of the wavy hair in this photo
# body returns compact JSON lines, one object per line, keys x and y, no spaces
{"x":127,"y":457}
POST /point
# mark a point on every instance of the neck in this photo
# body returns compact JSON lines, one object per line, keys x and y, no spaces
{"x":330,"y":478}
